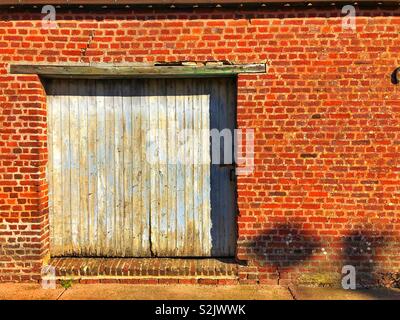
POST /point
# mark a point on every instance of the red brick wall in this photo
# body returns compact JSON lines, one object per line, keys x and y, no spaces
{"x":326,"y":186}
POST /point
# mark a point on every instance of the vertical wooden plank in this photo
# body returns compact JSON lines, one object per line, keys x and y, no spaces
{"x":198,"y":246}
{"x":153,"y":152}
{"x":135,"y":183}
{"x":83,"y":163}
{"x":92,"y":226}
{"x":180,"y":174}
{"x":172,"y":168}
{"x":226,"y":223}
{"x":102,"y":165}
{"x":119,"y":169}
{"x":222,"y":235}
{"x":223,"y":231}
{"x":215,"y":196}
{"x":66,"y":173}
{"x":144,"y":215}
{"x":154,"y":166}
{"x":188,"y":120}
{"x":162,"y":231}
{"x":53,"y":105}
{"x":206,"y":171}
{"x":109,"y":142}
{"x":128,"y":178}
{"x":74,"y":124}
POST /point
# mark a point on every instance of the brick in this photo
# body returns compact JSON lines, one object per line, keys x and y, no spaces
{"x":326,"y":131}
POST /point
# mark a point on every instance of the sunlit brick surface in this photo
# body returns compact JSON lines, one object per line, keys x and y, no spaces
{"x":326,"y":187}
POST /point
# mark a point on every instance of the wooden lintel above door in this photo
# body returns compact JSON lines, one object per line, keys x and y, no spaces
{"x":138,"y":70}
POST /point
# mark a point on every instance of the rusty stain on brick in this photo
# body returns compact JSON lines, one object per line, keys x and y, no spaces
{"x":277,"y":193}
{"x":361,"y":142}
{"x":369,"y":181}
{"x":308,"y":155}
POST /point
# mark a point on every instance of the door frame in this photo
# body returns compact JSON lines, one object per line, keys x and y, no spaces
{"x":130,"y":70}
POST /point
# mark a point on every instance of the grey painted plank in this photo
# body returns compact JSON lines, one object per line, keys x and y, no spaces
{"x":180,"y":174}
{"x":154,"y":165}
{"x":74,"y":123}
{"x":53,"y":184}
{"x":199,"y":243}
{"x":109,"y":141}
{"x":83,"y":164}
{"x":189,"y":244}
{"x":223,"y":191}
{"x":172,"y":168}
{"x":66,"y":176}
{"x":128,"y":180}
{"x":101,"y":234}
{"x":119,"y":171}
{"x":206,"y":172}
{"x":140,"y":89}
{"x":91,"y":246}
{"x":163,"y":230}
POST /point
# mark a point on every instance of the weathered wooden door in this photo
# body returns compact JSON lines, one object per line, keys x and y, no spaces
{"x":117,"y":183}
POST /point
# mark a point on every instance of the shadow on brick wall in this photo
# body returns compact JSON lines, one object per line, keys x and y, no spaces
{"x":364,"y":249}
{"x":287,"y":246}
{"x":284,"y":246}
{"x":359,"y":250}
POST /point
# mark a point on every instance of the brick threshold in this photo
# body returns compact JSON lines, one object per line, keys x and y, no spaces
{"x":144,"y":270}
